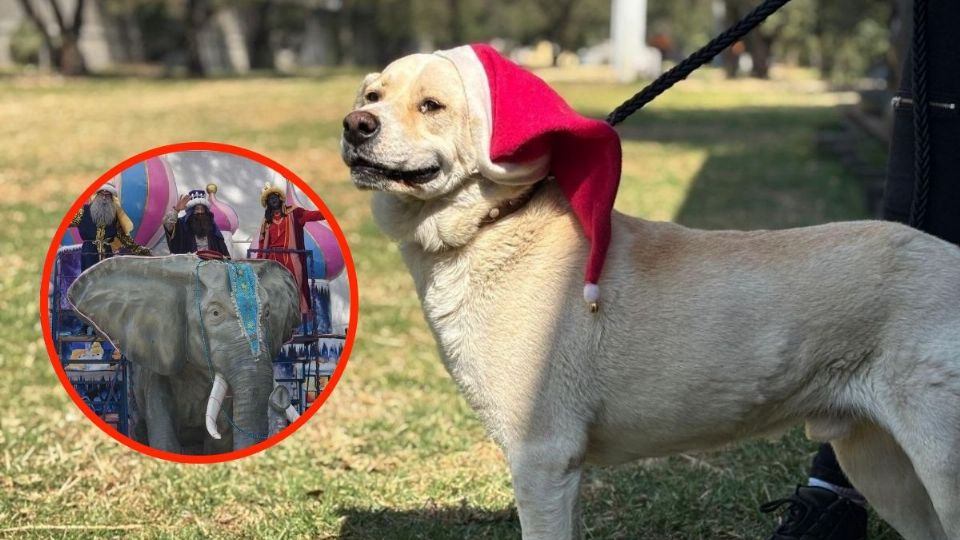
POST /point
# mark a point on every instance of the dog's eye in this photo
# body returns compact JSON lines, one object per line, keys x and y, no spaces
{"x":372,"y":97}
{"x":429,"y":105}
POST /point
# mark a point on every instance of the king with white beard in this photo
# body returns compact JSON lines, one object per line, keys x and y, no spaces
{"x":103,"y":227}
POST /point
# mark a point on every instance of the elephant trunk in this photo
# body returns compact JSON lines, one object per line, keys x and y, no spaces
{"x":251,"y":391}
{"x":214,"y":403}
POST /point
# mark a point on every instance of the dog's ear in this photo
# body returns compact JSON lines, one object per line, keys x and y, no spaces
{"x":369,"y":78}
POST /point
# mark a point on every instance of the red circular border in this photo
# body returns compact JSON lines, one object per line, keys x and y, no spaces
{"x":45,"y":308}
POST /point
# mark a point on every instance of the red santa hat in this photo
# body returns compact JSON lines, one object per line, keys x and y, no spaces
{"x":526,"y":131}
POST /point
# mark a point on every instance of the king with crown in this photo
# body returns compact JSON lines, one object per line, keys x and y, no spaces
{"x":104,"y":228}
{"x":197,"y":230}
{"x":281,"y":232}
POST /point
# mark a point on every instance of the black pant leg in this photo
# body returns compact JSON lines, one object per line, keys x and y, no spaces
{"x":943,"y":91}
{"x":943,"y":210}
{"x":826,"y":468}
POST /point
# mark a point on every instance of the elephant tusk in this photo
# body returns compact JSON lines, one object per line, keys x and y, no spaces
{"x":292,"y":414}
{"x":214,"y":403}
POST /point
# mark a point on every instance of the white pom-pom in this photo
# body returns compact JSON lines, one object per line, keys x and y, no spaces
{"x":591,"y":293}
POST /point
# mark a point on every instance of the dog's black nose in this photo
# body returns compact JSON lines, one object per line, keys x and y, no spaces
{"x":360,"y":126}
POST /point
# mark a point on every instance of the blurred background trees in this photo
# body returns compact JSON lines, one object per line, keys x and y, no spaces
{"x":844,"y":41}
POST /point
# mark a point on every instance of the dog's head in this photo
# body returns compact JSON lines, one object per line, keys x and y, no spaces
{"x":448,"y":138}
{"x":409,"y":132}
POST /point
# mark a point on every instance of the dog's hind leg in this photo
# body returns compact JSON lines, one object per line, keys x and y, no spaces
{"x":880,"y":469}
{"x":930,"y":435}
{"x":942,"y":480}
{"x":546,"y":483}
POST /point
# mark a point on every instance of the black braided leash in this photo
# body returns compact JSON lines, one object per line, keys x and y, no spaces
{"x":694,"y":61}
{"x":921,"y":128}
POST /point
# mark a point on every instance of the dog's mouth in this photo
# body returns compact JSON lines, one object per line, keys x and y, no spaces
{"x":367,"y":174}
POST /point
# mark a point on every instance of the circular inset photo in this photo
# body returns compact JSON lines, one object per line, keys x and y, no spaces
{"x":200,"y":302}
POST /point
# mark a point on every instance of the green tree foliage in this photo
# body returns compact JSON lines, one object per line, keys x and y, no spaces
{"x":853,"y":37}
{"x":159,"y":28}
{"x":26,"y":44}
{"x":679,"y":27}
{"x":569,"y":23}
{"x":844,"y":40}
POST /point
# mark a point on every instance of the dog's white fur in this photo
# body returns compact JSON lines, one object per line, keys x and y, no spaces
{"x":702,"y":338}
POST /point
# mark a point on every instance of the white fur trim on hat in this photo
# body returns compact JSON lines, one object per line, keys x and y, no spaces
{"x":197,"y":197}
{"x":109,"y":187}
{"x":196,"y":202}
{"x":477,"y":87}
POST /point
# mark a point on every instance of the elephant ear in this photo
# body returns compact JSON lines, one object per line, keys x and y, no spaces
{"x":139,"y":304}
{"x":280,"y":293}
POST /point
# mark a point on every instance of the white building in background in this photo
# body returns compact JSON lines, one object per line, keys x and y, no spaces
{"x":630,"y":55}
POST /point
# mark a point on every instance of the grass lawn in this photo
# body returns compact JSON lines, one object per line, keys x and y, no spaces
{"x":395,"y":452}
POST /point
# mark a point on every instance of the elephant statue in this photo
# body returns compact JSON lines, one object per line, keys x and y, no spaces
{"x":201,"y":336}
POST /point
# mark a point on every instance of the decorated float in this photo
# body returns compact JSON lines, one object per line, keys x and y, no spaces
{"x":101,"y":374}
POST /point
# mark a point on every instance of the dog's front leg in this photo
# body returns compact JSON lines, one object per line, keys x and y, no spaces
{"x":546,"y":483}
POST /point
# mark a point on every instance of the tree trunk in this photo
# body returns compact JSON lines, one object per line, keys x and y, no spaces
{"x":65,"y":54}
{"x":731,"y":56}
{"x":558,"y":22}
{"x":345,"y":53}
{"x":731,"y":62}
{"x":197,"y":14}
{"x":759,"y":47}
{"x":456,"y":23}
{"x":824,"y":43}
{"x":195,"y":67}
{"x":131,"y":37}
{"x":71,"y":61}
{"x":261,"y":54}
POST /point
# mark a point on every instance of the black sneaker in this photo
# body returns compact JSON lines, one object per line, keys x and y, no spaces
{"x":818,"y":514}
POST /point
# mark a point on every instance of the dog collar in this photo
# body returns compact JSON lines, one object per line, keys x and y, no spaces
{"x":510,"y":206}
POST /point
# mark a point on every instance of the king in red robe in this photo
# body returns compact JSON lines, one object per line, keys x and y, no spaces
{"x":282,"y":229}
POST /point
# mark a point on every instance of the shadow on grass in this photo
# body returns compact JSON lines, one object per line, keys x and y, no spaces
{"x":452,"y":522}
{"x":705,"y":124}
{"x":763,"y":169}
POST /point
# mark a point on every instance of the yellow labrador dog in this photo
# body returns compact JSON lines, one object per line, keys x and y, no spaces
{"x":702,"y":337}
